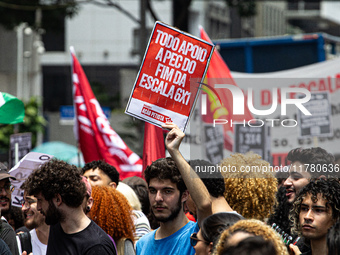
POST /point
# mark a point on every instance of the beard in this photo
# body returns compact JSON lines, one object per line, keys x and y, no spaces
{"x":34,"y":222}
{"x":5,"y":212}
{"x":31,"y":224}
{"x":53,"y":215}
{"x":173,"y":213}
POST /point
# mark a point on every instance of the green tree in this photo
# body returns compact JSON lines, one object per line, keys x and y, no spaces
{"x":33,"y":122}
{"x":14,"y":12}
{"x":246,"y":8}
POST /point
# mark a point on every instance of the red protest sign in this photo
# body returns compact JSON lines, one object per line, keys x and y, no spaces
{"x":167,"y":84}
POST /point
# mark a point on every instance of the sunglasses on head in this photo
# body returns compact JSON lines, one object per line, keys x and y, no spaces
{"x":194,"y":240}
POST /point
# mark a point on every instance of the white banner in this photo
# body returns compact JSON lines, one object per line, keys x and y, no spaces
{"x":324,"y":76}
{"x":22,"y":170}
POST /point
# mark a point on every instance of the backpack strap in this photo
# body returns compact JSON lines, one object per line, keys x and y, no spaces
{"x":121,"y":246}
{"x":129,"y":247}
{"x":25,"y":240}
{"x":125,"y":246}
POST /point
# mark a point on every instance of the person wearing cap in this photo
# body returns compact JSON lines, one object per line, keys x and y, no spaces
{"x":7,"y":233}
{"x":6,"y":190}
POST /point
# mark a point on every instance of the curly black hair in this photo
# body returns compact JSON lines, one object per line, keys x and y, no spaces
{"x":333,"y":239}
{"x":215,"y":224}
{"x":213,"y":181}
{"x":329,"y":189}
{"x":57,"y":177}
{"x":109,"y":170}
{"x":281,"y":211}
{"x":313,"y":156}
{"x":165,"y":169}
{"x":17,"y":216}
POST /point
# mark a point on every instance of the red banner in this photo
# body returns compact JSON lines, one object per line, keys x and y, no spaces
{"x":96,"y":138}
{"x":153,"y":148}
{"x":219,"y":73}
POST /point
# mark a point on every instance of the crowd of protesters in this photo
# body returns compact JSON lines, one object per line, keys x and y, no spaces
{"x":175,"y":209}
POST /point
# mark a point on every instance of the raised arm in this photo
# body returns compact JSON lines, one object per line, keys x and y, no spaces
{"x":195,"y":186}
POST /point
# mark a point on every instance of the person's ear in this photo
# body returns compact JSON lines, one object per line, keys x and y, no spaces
{"x":89,"y":203}
{"x":185,"y":196}
{"x":210,"y":247}
{"x":322,"y":177}
{"x":58,"y":199}
{"x":113,"y":185}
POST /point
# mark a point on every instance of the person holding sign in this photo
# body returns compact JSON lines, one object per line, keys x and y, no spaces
{"x":169,"y":180}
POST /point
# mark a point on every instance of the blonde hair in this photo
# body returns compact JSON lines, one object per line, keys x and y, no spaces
{"x":250,"y":187}
{"x":256,"y":227}
{"x":130,"y":195}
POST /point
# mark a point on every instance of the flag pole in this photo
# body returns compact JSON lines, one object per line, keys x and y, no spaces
{"x":78,"y":153}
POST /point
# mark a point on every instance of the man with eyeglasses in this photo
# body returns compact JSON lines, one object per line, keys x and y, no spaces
{"x":7,"y":233}
{"x":35,"y":221}
{"x":5,"y":190}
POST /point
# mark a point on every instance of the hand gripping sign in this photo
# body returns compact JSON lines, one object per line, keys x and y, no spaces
{"x":166,"y":88}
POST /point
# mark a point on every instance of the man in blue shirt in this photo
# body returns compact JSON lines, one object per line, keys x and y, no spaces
{"x":170,"y":180}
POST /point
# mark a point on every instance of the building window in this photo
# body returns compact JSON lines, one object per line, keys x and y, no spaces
{"x":218,"y":21}
{"x":54,"y":37}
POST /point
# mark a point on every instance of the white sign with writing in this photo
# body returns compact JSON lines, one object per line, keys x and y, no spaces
{"x":22,"y":170}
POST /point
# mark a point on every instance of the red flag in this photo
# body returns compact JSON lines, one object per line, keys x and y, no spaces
{"x":153,"y":147}
{"x":96,"y":138}
{"x":219,"y":73}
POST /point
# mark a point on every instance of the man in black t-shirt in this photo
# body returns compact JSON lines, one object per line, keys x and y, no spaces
{"x":91,"y":240}
{"x":59,"y":190}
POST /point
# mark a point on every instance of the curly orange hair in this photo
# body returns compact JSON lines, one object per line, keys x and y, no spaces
{"x":111,"y":211}
{"x":250,"y":187}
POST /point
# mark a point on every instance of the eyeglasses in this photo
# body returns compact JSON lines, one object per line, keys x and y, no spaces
{"x":27,"y":203}
{"x":194,"y":240}
{"x":8,"y":188}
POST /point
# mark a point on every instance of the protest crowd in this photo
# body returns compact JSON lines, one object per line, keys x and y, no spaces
{"x":174,"y":209}
{"x":120,"y":204}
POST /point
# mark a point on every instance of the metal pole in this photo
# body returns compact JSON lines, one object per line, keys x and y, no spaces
{"x":142,"y":35}
{"x":20,"y":53}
